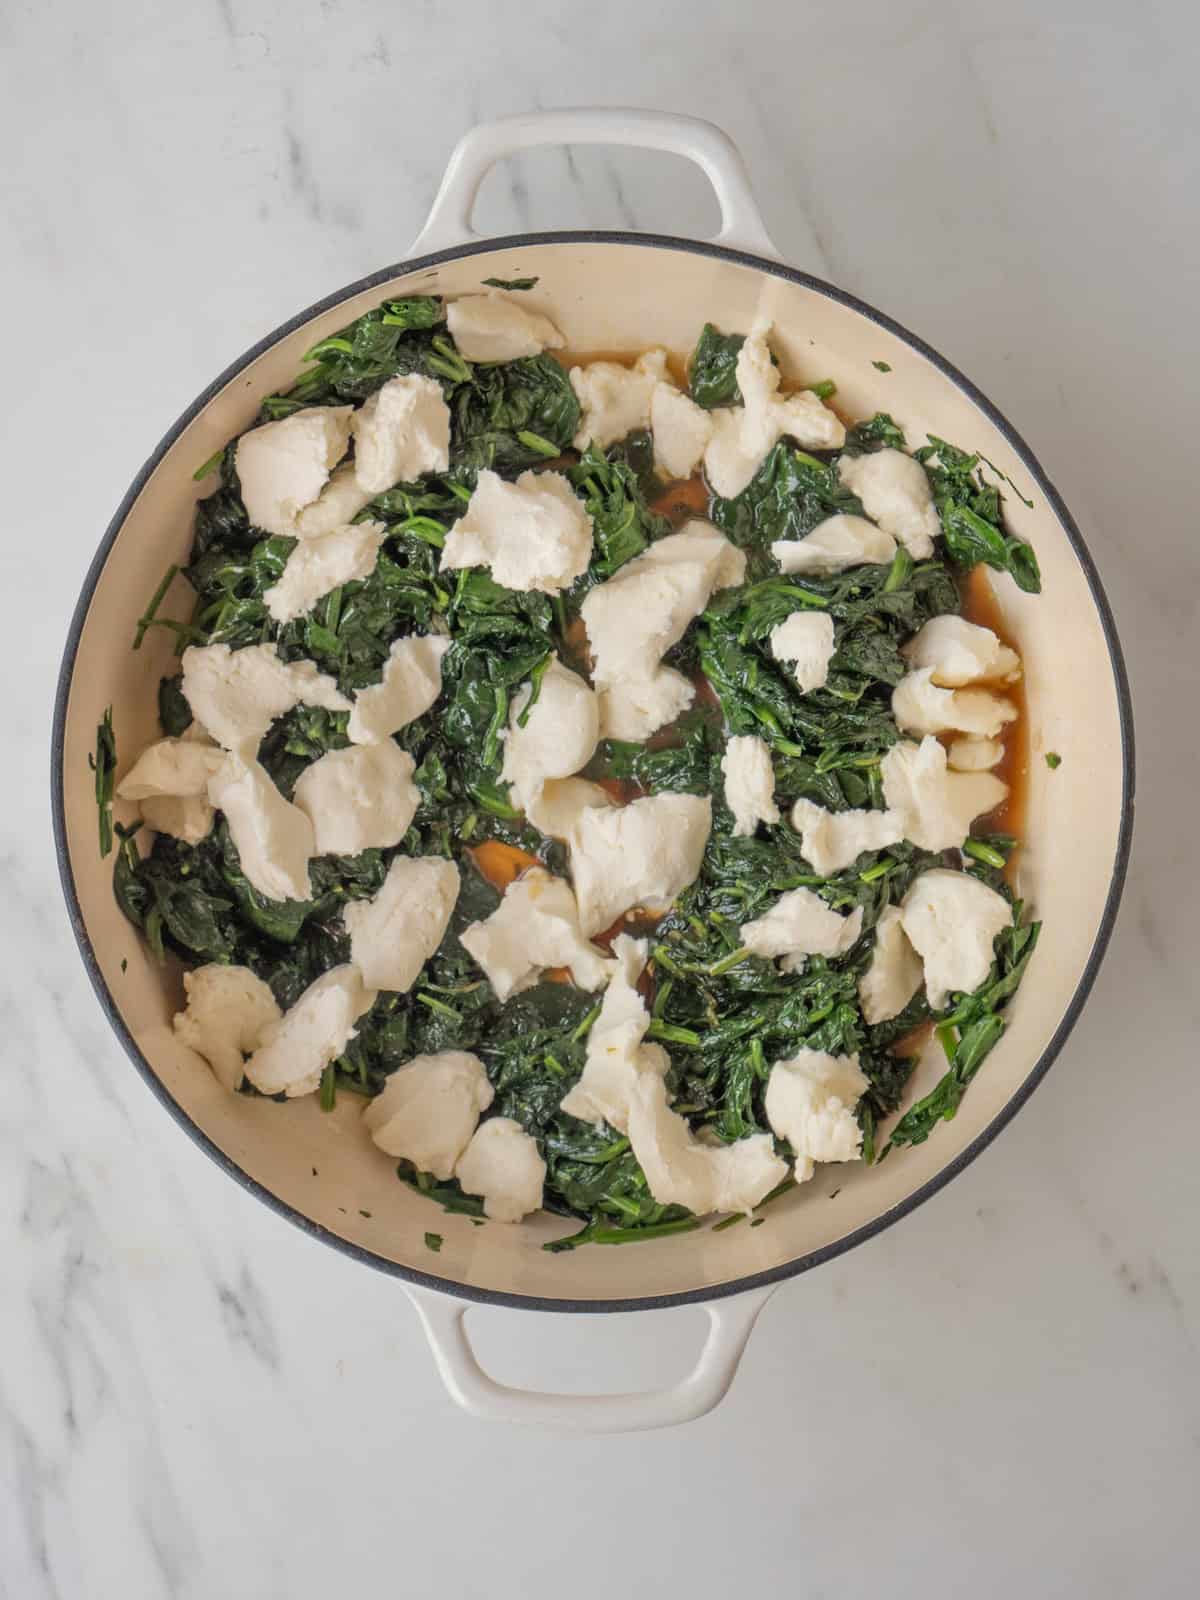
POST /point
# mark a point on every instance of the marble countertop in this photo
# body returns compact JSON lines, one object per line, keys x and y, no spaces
{"x":998,"y":1397}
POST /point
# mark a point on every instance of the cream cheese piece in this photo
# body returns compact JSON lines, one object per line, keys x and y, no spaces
{"x":958,"y":652}
{"x":536,"y":926}
{"x":894,"y":974}
{"x":810,"y":1102}
{"x":273,"y":838}
{"x":749,"y":783}
{"x":238,"y":694}
{"x":972,"y":754}
{"x":952,"y":920}
{"x":937,"y":806}
{"x":338,"y":503}
{"x":531,"y":534}
{"x":641,"y":855}
{"x":363,"y":798}
{"x":616,"y":1053}
{"x":227,"y":1010}
{"x":680,"y":1170}
{"x":800,"y":924}
{"x":394,"y":934}
{"x":411,"y":683}
{"x":838,"y":543}
{"x":635,"y":618}
{"x":283,"y":466}
{"x":185,"y":817}
{"x":171,"y":767}
{"x":834,"y":840}
{"x":919,"y":706}
{"x":805,"y":639}
{"x":487,"y":327}
{"x":294,"y":1052}
{"x":400,"y":433}
{"x":502,"y":1164}
{"x":895,"y":493}
{"x":559,"y":736}
{"x":681,"y":431}
{"x":562,"y":801}
{"x":743,"y":436}
{"x":317,"y":566}
{"x":428,"y":1110}
{"x":616,"y":400}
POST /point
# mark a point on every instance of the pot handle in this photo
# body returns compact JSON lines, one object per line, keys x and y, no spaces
{"x":731,"y":1322}
{"x":449,"y":220}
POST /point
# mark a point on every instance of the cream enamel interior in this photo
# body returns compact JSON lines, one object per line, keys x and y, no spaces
{"x":618,"y":296}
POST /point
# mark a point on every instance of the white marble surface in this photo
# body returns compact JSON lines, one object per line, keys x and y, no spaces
{"x":998,"y":1397}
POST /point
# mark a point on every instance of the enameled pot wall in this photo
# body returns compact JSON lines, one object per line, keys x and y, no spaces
{"x":617,"y":292}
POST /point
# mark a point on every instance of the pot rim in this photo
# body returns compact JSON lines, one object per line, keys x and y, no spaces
{"x":799,"y":1264}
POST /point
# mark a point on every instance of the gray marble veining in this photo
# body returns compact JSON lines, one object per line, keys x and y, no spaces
{"x":1002,"y":1395}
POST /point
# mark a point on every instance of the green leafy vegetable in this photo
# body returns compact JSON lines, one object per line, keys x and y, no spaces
{"x":513,"y":284}
{"x":433,"y":1241}
{"x":1053,"y":759}
{"x":104,"y":766}
{"x":881,"y":366}
{"x":712,"y":371}
{"x":972,"y":520}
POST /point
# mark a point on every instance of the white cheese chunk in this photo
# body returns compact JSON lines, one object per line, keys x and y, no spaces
{"x":810,"y":1102}
{"x":487,"y":327}
{"x":835,"y":545}
{"x":952,"y":920}
{"x":535,"y":926}
{"x":283,"y":466}
{"x":273,"y":838}
{"x":681,"y":431}
{"x":635,"y":618}
{"x":502,"y":1164}
{"x":531,"y":534}
{"x":616,"y":1053}
{"x":919,"y":706}
{"x":227,"y":1010}
{"x":294,"y":1052}
{"x":316,"y":566}
{"x":187,"y":817}
{"x":644,"y":854}
{"x":895,"y":493}
{"x":937,"y":806}
{"x":800,"y":924}
{"x":171,"y":767}
{"x":362,"y":798}
{"x":834,"y":840}
{"x":975,"y":755}
{"x":806,"y":640}
{"x":681,"y":1170}
{"x":429,"y":1109}
{"x":394,"y":934}
{"x":562,"y":801}
{"x":744,"y":435}
{"x":559,"y":735}
{"x":238,"y":694}
{"x":411,"y":683}
{"x":401,"y":432}
{"x":894,"y":974}
{"x":633,"y":711}
{"x":338,"y":503}
{"x":959,"y":652}
{"x":615,"y":399}
{"x":749,"y":783}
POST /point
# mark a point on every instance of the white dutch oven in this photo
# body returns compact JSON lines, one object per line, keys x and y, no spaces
{"x":611,"y":292}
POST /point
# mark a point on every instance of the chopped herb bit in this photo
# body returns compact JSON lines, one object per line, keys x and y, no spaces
{"x":1053,"y":759}
{"x":882,"y":366}
{"x":433,"y":1241}
{"x":510,"y":283}
{"x":366,"y":1214}
{"x":124,"y":964}
{"x":211,"y":465}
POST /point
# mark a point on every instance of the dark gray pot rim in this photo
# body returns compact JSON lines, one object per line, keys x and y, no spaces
{"x":815,"y":1258}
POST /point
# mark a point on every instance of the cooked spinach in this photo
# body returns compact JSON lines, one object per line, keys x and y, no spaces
{"x":726,"y":1014}
{"x":104,"y":766}
{"x":510,"y":283}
